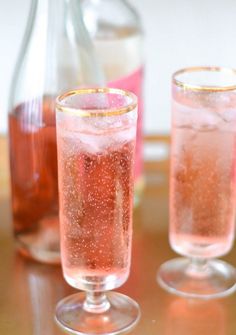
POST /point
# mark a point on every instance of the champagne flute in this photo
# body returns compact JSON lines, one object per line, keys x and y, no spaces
{"x":202,"y":183}
{"x":96,"y":131}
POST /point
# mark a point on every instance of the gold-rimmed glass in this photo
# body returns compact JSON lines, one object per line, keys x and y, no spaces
{"x":96,"y":132}
{"x":202,"y":183}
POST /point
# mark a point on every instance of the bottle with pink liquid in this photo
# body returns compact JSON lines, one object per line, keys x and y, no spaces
{"x":56,"y":54}
{"x":116,"y":30}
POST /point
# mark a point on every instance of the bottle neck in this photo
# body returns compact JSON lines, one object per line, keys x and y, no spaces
{"x":53,"y":15}
{"x":56,"y":52}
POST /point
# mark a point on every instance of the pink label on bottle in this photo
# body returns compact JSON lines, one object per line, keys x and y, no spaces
{"x":133,"y":83}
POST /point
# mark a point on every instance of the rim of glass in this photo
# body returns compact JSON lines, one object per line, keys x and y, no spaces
{"x":96,"y":112}
{"x":192,"y":87}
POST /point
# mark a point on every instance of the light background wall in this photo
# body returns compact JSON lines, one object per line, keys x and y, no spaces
{"x":178,"y":33}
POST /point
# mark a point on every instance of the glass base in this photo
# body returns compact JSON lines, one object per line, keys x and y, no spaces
{"x":43,"y":245}
{"x":38,"y":255}
{"x":203,"y":279}
{"x":119,"y":314}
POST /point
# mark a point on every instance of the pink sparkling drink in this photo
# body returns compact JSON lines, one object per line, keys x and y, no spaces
{"x":202,"y":183}
{"x":96,"y":176}
{"x":202,"y":190}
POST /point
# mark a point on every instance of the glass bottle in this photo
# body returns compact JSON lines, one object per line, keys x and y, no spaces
{"x":116,"y":31}
{"x":56,"y":55}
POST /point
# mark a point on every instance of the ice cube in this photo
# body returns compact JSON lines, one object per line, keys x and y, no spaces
{"x":196,"y":118}
{"x":90,"y":143}
{"x":206,"y":119}
{"x":228,"y":115}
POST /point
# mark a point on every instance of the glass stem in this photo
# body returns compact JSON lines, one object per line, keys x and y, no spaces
{"x":198,"y":266}
{"x":96,"y":302}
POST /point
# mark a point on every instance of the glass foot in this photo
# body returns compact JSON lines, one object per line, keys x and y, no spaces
{"x":203,"y":279}
{"x":42,"y":245}
{"x":119,"y":314}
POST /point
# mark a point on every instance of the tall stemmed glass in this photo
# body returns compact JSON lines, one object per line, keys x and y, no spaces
{"x":96,"y":131}
{"x":202,"y":182}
